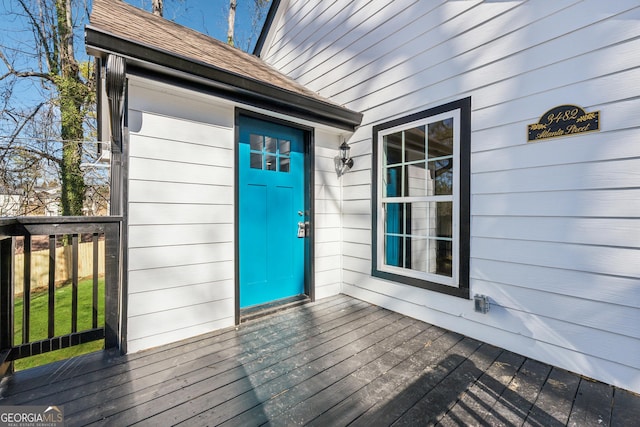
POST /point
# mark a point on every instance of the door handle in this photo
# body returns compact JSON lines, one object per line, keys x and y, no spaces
{"x":303,"y":229}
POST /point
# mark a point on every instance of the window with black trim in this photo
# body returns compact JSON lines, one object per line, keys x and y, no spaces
{"x":421,"y":197}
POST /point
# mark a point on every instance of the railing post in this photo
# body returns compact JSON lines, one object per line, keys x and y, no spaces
{"x":74,"y":283}
{"x":7,"y":250}
{"x":112,"y":286}
{"x":26,"y":293}
{"x":51,"y":327}
{"x":94,"y":300}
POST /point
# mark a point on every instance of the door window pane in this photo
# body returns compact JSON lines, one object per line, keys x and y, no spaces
{"x":271,"y":163}
{"x":256,"y":161}
{"x":284,"y":164}
{"x":270,"y":144}
{"x":285,"y":147}
{"x":255,"y":142}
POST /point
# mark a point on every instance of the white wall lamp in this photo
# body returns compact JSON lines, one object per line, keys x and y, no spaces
{"x":346,"y":162}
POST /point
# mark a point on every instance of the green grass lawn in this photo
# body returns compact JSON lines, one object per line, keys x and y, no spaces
{"x":39,"y":321}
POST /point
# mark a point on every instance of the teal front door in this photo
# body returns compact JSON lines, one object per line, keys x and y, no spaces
{"x":271,"y":204}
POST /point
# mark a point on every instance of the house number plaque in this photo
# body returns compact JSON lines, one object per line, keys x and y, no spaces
{"x":564,"y":120}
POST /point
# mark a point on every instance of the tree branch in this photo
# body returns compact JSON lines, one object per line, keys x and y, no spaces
{"x":50,"y":56}
{"x":13,"y":72}
{"x":42,"y":154}
{"x":24,"y":123}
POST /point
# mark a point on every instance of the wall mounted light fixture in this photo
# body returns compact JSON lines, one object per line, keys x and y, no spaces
{"x":346,"y":162}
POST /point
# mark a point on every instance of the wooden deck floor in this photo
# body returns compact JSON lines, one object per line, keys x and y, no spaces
{"x":335,"y":362}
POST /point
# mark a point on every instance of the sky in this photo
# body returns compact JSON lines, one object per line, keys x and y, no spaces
{"x":209,"y":17}
{"x":206,"y":16}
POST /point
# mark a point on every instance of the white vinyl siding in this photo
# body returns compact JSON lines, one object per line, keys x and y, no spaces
{"x":554,"y":224}
{"x":181,"y":231}
{"x":328,"y":278}
{"x":180,"y":223}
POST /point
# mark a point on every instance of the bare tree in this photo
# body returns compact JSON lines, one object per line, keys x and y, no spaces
{"x":156,"y":7}
{"x":260,"y":9}
{"x":48,"y":133}
{"x":231,"y":21}
{"x":258,"y":13}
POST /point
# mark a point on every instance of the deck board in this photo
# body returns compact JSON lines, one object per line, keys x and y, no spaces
{"x":518,"y":398}
{"x":319,"y":374}
{"x":140,"y":364}
{"x":289,"y":371}
{"x":478,"y":400}
{"x":376,"y":388}
{"x":552,"y":408}
{"x":626,"y":408}
{"x":441,"y":399}
{"x":592,"y":405}
{"x":327,"y":387}
{"x":214,"y":378}
{"x":337,"y":361}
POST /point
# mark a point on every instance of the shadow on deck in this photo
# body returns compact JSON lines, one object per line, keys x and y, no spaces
{"x":335,"y":362}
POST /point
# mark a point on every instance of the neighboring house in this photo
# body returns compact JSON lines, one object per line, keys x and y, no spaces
{"x":43,"y":200}
{"x":10,"y":203}
{"x":457,"y":189}
{"x":48,"y":198}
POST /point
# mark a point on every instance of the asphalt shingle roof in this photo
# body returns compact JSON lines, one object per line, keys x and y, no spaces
{"x":121,"y":21}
